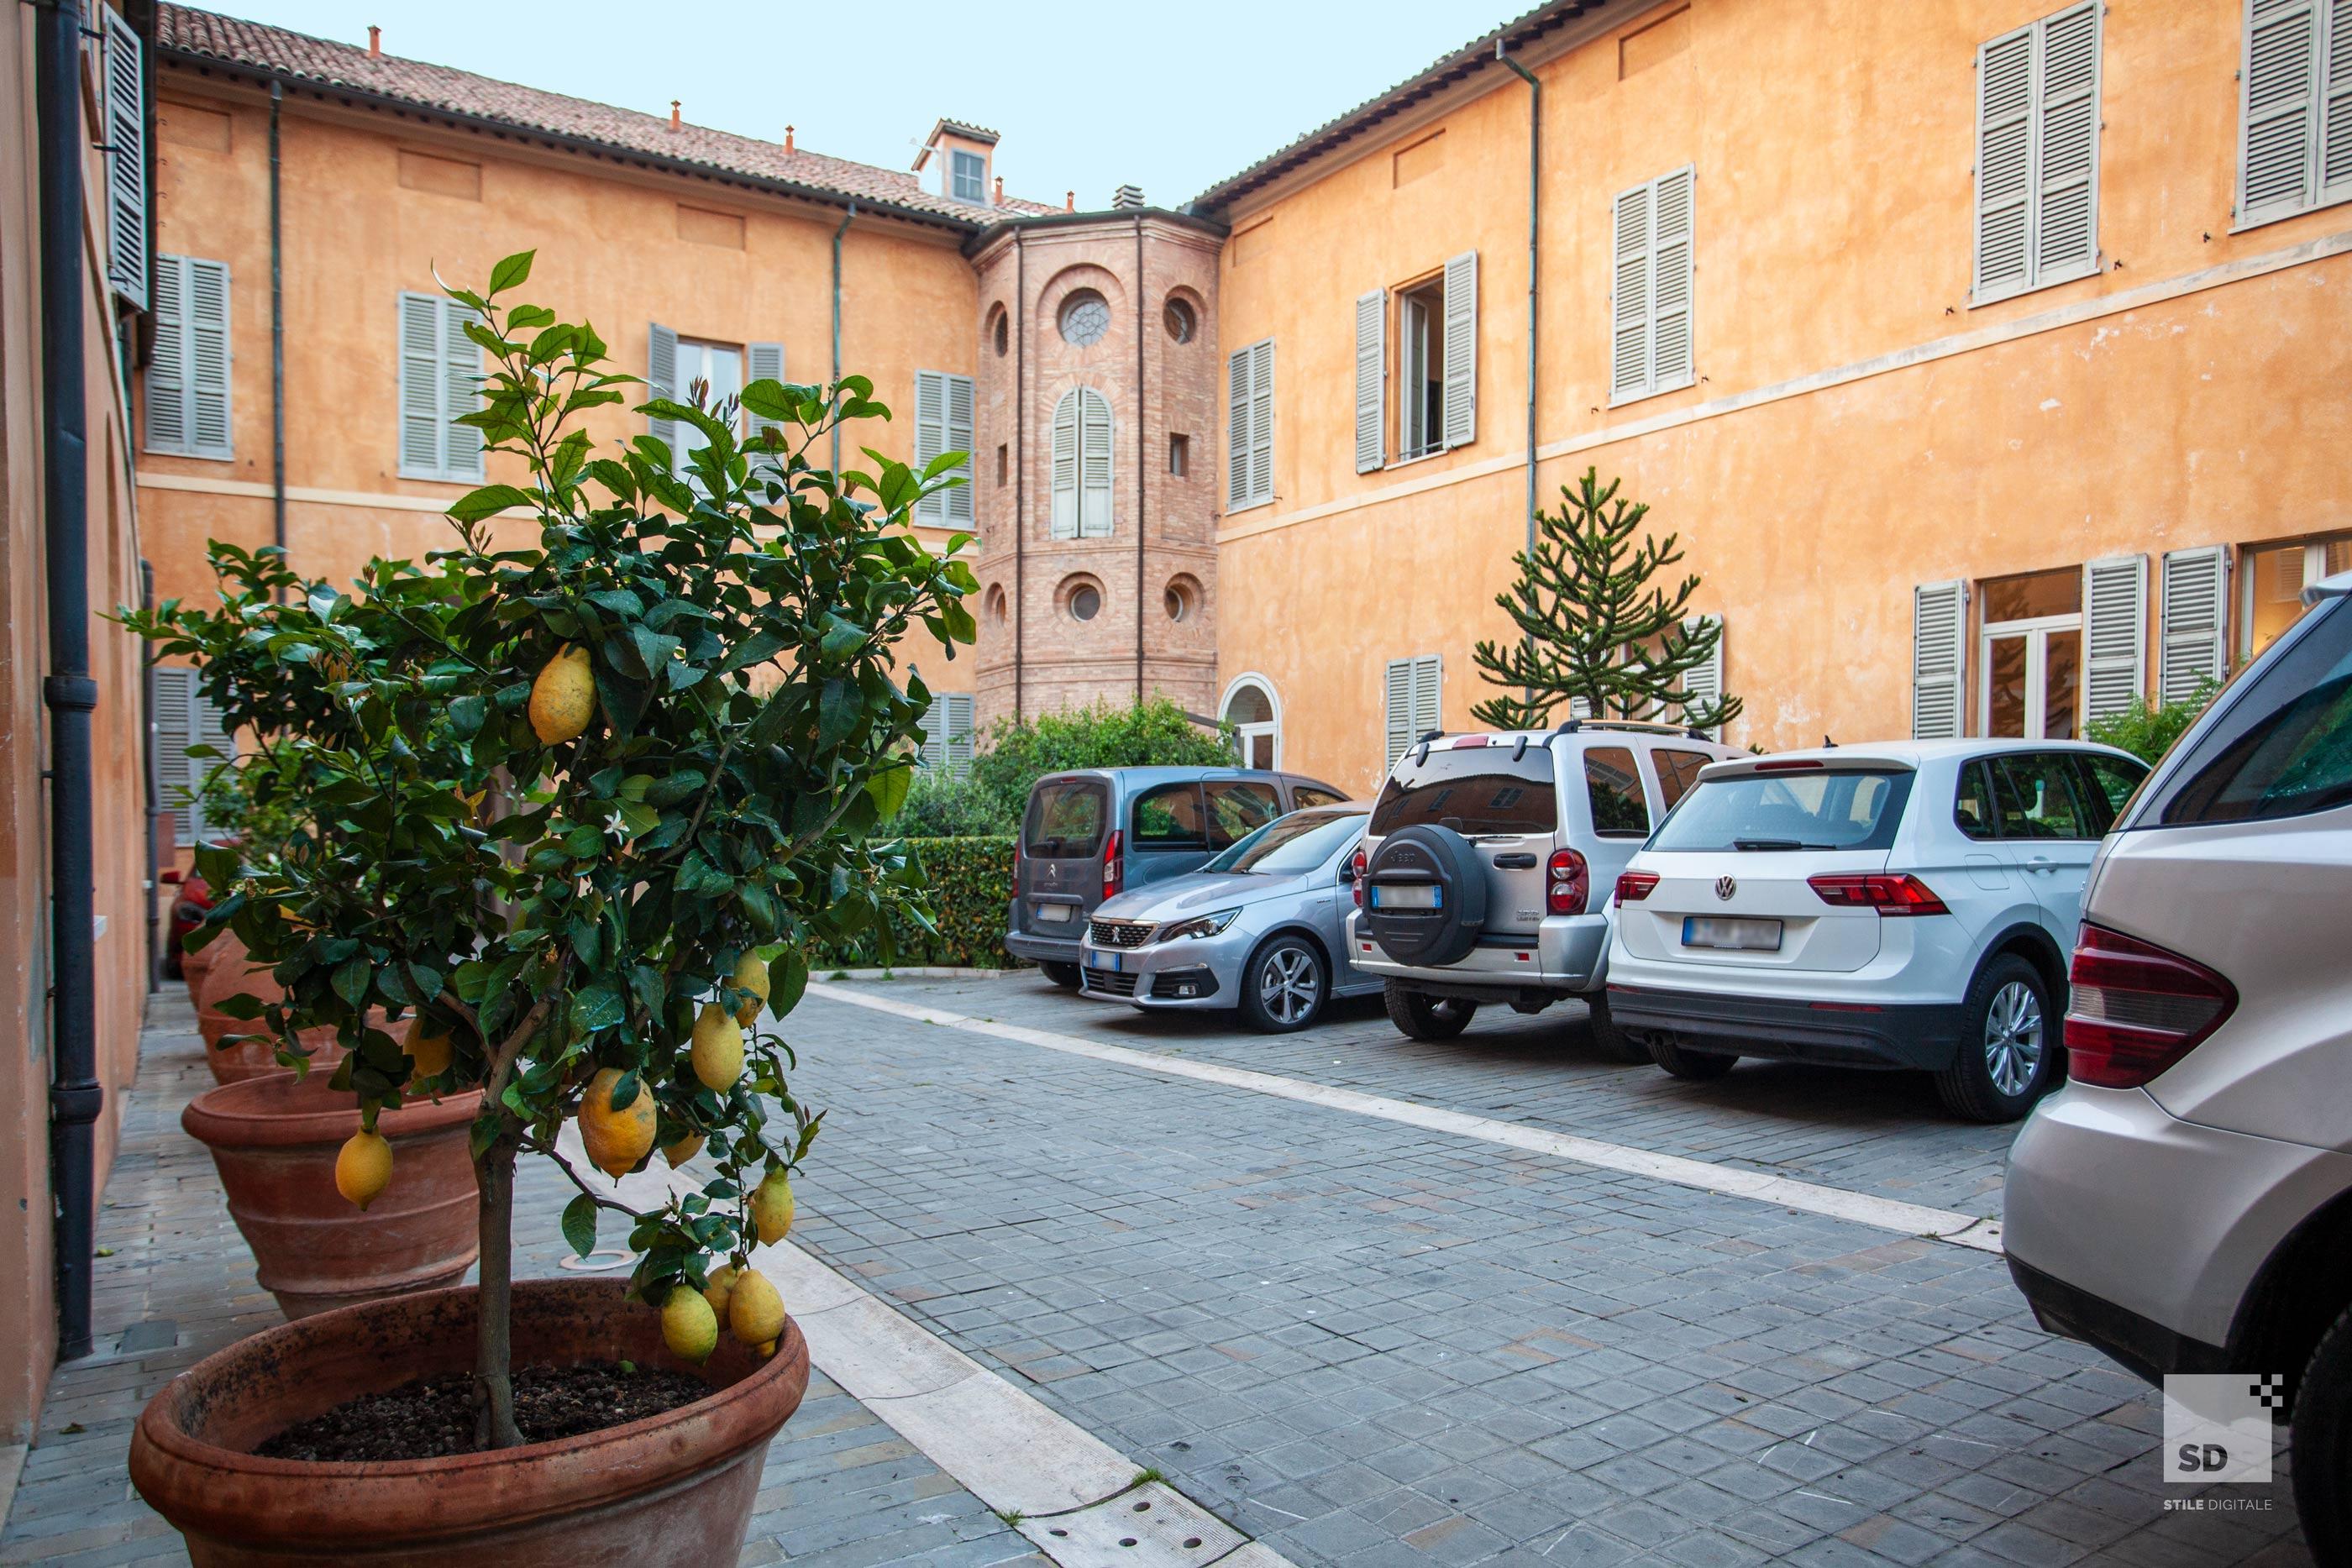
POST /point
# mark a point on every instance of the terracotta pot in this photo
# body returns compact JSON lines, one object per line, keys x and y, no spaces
{"x":273,"y":1139}
{"x":671,"y":1488}
{"x":194,"y":966}
{"x":233,"y":973}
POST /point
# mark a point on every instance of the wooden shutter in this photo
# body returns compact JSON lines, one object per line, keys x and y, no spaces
{"x":2195,"y":618}
{"x":1629,"y":371}
{"x":930,"y":438}
{"x":461,"y":393}
{"x":126,"y":160}
{"x":167,"y":368}
{"x":2066,"y":144}
{"x":2334,"y":135}
{"x":661,"y":382}
{"x":1939,"y":638}
{"x":421,"y":389}
{"x":1249,"y":426}
{"x":763,"y":362}
{"x":1261,"y":420}
{"x":1671,"y":267}
{"x":206,"y":302}
{"x":1237,"y":430}
{"x":2114,"y":634}
{"x":956,"y":747}
{"x":1398,"y":682}
{"x":2004,"y":247}
{"x":959,"y":439}
{"x":1428,"y":676}
{"x":1703,"y":686}
{"x":1460,"y":420}
{"x":2279,"y":108}
{"x":1095,"y":466}
{"x":173,"y":733}
{"x":1066,"y":466}
{"x":1372,"y":379}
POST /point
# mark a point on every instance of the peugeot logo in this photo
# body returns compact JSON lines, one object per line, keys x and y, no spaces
{"x":1725,"y":887}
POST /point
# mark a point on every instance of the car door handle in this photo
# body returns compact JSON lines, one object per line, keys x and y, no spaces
{"x":1515,"y":863}
{"x":2041,"y":863}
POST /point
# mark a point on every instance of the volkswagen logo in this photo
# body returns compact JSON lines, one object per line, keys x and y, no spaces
{"x":1726,"y":887}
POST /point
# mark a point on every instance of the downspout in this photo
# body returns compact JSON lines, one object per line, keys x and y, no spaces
{"x":836,"y":327}
{"x":68,"y":691}
{"x":277,"y":339}
{"x":1142,"y":461}
{"x":1535,"y":210}
{"x":1020,"y":458}
{"x":150,"y":782}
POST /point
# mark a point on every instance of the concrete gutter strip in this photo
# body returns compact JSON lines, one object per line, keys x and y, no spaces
{"x":1970,"y":1231}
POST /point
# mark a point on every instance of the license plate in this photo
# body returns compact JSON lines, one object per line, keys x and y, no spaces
{"x":1104,"y":961}
{"x":1740,"y":936}
{"x":1056,"y":914}
{"x":1408,"y":896}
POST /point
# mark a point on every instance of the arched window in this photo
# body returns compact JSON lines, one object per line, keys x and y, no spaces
{"x":1250,"y":707}
{"x":1081,"y":465}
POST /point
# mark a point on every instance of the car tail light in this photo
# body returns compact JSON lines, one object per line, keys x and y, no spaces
{"x":1569,"y":887}
{"x":1633,"y":886}
{"x":1355,"y":882}
{"x":1797,"y":765}
{"x":1889,"y":893}
{"x":1112,"y":866}
{"x":2136,"y":1008}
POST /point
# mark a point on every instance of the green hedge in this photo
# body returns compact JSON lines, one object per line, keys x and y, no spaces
{"x":969,"y":886}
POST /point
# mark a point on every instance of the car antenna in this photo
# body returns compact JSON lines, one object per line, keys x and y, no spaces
{"x":1827,"y":742}
{"x":1519,"y":748}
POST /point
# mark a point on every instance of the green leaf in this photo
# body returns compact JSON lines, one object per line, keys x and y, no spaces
{"x":788,"y":979}
{"x":889,"y":790}
{"x":580,"y":1223}
{"x":599,"y":1007}
{"x":511,"y":272}
{"x":487,"y":502}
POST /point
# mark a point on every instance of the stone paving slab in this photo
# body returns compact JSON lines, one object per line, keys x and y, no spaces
{"x":840,"y":1489}
{"x":1366,"y":1343}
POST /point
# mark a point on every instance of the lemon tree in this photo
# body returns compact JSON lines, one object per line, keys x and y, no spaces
{"x":582,"y":788}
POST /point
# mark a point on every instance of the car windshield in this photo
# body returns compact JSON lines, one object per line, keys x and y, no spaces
{"x":1300,"y":842}
{"x":1851,"y":809}
{"x":1474,"y":789}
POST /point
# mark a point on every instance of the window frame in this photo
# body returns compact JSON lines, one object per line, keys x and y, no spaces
{"x":957,"y":157}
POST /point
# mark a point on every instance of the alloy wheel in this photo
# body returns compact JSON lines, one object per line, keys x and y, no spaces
{"x":1287,"y":985}
{"x":2012,"y":1039}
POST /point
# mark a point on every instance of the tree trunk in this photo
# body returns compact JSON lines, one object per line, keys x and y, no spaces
{"x":494,"y":1422}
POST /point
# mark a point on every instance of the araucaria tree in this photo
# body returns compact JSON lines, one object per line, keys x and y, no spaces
{"x":1598,"y":627}
{"x":581,"y":803}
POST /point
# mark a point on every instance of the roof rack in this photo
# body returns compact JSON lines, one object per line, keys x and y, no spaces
{"x":1641,"y":726}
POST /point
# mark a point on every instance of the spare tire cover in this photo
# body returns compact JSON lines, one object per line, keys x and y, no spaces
{"x":1420,"y":932}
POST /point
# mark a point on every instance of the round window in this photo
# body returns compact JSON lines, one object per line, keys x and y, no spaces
{"x":1182,"y":323}
{"x":1086,"y":602}
{"x":1181,"y":599}
{"x":1086,"y":317}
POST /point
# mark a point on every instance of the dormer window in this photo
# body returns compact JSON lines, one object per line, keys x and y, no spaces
{"x":967,"y":176}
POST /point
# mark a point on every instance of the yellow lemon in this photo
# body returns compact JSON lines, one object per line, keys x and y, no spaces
{"x":683,"y":1150}
{"x":767,"y":1350}
{"x":563,"y":697}
{"x":720,"y":1288}
{"x":771,"y":1207}
{"x":616,"y":1140}
{"x":718,"y":1050}
{"x":428,"y":1046}
{"x":751,"y":974}
{"x":755,"y":1312}
{"x":362,"y":1168}
{"x":689,"y":1327}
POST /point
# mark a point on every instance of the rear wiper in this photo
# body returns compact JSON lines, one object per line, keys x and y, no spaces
{"x":1772,"y":844}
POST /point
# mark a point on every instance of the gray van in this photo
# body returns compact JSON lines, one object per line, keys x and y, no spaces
{"x":1095,"y":831}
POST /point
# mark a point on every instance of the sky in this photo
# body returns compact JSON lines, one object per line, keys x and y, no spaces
{"x":1086,"y":97}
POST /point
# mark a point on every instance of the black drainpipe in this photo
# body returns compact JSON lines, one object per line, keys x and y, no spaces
{"x":1142,"y":460}
{"x":836,"y":326}
{"x":277,"y":338}
{"x":150,"y":783}
{"x":69,"y":691}
{"x":1020,"y":457}
{"x":1535,"y":209}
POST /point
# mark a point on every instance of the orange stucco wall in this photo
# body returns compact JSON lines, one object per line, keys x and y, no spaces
{"x":2189,"y":404}
{"x":620,"y":249}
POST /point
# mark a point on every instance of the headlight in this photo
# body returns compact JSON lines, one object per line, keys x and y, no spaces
{"x":1199,"y":925}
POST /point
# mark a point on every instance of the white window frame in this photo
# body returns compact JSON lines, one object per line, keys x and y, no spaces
{"x":2315,"y":567}
{"x":956,"y":156}
{"x":2036,"y":632}
{"x":1420,"y":335}
{"x":449,"y":317}
{"x":1244,"y":734}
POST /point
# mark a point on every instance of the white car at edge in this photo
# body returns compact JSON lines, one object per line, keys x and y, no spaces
{"x":1904,"y":905}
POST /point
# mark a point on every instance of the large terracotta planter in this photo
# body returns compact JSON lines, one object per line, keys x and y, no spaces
{"x":234,"y":973}
{"x":671,"y":1488}
{"x":273,"y":1140}
{"x":195,"y":965}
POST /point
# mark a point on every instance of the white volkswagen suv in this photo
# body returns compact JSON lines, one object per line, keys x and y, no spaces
{"x":2185,"y":1203}
{"x":1907,"y":904}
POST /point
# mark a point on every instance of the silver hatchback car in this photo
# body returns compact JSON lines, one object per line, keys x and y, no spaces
{"x":1261,"y":927}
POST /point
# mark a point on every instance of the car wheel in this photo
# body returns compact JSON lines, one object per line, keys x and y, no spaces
{"x":1284,"y":985}
{"x":2320,"y":1453}
{"x":1062,"y":975}
{"x":1697,"y":1066}
{"x":1613,"y":1043}
{"x":1424,"y":1017}
{"x":2009,"y":1047}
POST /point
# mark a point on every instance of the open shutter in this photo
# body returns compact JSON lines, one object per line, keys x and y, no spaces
{"x":1460,"y":420}
{"x":2114,"y":634}
{"x":1703,"y":686}
{"x":1670,"y":285}
{"x":420,"y":386}
{"x":1094,"y":465}
{"x":958,"y":438}
{"x":1237,"y":430}
{"x":931,"y":438}
{"x":1629,"y":368}
{"x":2004,"y":247}
{"x":1262,"y":422}
{"x":1066,"y":466}
{"x":175,"y":685}
{"x":1398,"y":709}
{"x":461,"y":393}
{"x":167,"y":368}
{"x":2195,"y":617}
{"x":2066,"y":144}
{"x":661,"y":382}
{"x":2281,"y":102}
{"x":206,"y":303}
{"x":761,"y":362}
{"x":1938,"y":633}
{"x":126,"y":160}
{"x":1371,"y":377}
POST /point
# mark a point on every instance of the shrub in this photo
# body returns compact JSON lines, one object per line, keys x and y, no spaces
{"x":967,"y":886}
{"x":1140,"y":735}
{"x":941,"y":806}
{"x":2148,"y":728}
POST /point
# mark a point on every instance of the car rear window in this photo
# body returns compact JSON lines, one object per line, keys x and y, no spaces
{"x":1677,"y":771}
{"x":1619,"y":811}
{"x":2280,"y":748}
{"x":1238,"y":808}
{"x":1066,"y":818}
{"x":1473,"y":791}
{"x":1847,"y":809}
{"x":1169,"y":818}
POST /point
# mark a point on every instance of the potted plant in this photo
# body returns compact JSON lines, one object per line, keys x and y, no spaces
{"x":583,"y":804}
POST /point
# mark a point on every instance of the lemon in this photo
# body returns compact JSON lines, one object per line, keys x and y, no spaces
{"x":563,"y":697}
{"x":616,"y":1140}
{"x":685,"y":1149}
{"x":428,"y":1046}
{"x":689,"y":1327}
{"x":718,"y":1050}
{"x":767,"y":1348}
{"x":720,"y":1288}
{"x":362,"y":1168}
{"x":771,"y":1207}
{"x":751,"y":974}
{"x":755,"y":1312}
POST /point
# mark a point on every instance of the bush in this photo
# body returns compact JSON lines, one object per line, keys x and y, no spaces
{"x":967,"y":885}
{"x":1150,"y":734}
{"x":941,"y":806}
{"x":2148,"y":729}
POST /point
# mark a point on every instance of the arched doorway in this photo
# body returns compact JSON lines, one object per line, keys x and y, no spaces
{"x":1256,"y":714}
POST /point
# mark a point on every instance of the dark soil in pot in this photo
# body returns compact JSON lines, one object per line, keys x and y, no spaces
{"x":434,"y":1417}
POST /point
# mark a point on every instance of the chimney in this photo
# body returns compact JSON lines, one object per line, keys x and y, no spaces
{"x":1127,"y":196}
{"x":1069,"y":201}
{"x":375,"y":43}
{"x":788,"y":138}
{"x":1000,"y":190}
{"x":673,"y":114}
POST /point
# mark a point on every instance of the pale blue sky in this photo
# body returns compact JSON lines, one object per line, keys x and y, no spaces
{"x":1171,"y":98}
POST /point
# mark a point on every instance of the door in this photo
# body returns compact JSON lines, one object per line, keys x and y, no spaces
{"x":2033,"y":657}
{"x":2050,"y":830}
{"x":1061,"y":856}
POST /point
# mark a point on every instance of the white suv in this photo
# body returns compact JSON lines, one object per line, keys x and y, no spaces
{"x":2185,"y":1203}
{"x":1907,"y":904}
{"x":1485,"y":872}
